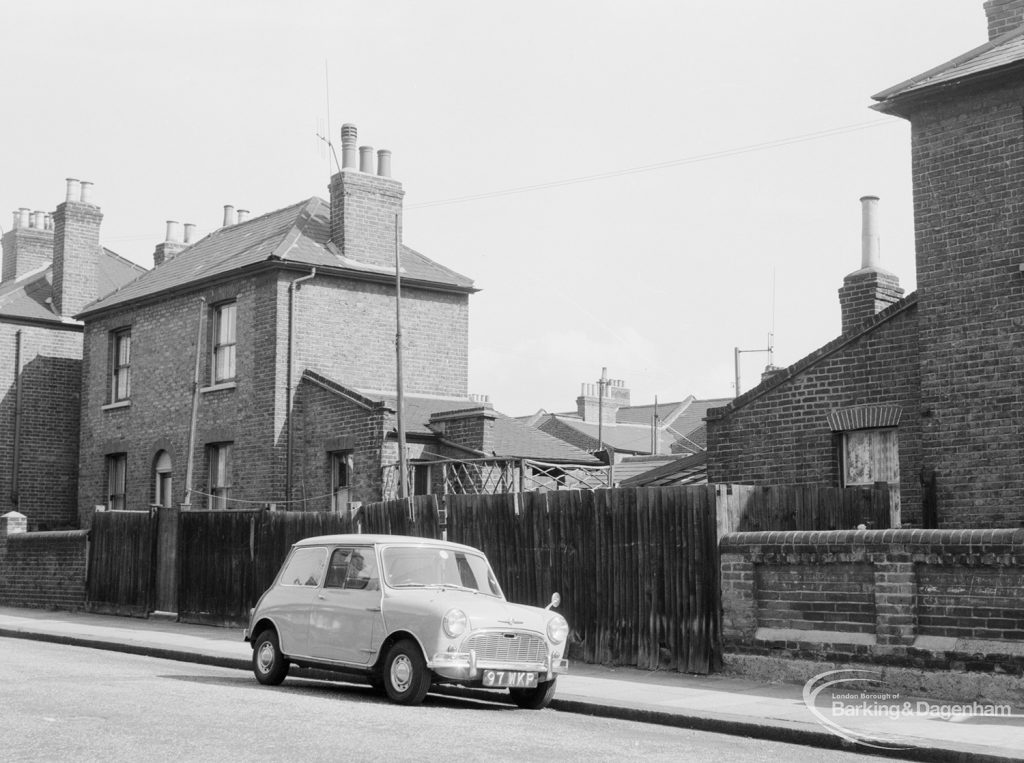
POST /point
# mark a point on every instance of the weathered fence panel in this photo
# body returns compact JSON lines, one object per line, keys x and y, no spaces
{"x":122,"y":562}
{"x":228,"y":558}
{"x":750,"y":508}
{"x":637,"y":568}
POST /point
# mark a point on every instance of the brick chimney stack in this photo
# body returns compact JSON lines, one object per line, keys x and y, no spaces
{"x":871,"y":289}
{"x":172,"y":244}
{"x":1003,"y":15}
{"x":28,"y":245}
{"x":364,"y":205}
{"x":590,"y":401}
{"x":76,"y":249}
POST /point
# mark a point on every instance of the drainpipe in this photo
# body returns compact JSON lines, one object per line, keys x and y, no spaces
{"x":17,"y":417}
{"x":291,"y":391}
{"x":187,"y":503}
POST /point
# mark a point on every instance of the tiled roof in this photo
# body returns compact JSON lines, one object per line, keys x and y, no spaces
{"x":633,"y":465}
{"x":1004,"y":51}
{"x":512,"y":438}
{"x":681,"y":427}
{"x":29,"y":297}
{"x":692,"y":470}
{"x":296,"y":234}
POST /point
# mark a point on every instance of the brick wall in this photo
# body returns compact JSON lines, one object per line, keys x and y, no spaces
{"x":44,"y":570}
{"x":967,"y":163}
{"x":344,"y":330}
{"x":50,"y":377}
{"x":945,"y":599}
{"x":778,"y":433}
{"x":76,"y":248}
{"x":25,"y":249}
{"x":158,"y":415}
{"x":327,"y":422}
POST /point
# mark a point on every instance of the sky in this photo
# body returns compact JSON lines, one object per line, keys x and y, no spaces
{"x":641,"y":186}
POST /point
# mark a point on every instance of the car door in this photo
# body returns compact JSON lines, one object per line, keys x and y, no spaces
{"x":346,"y":611}
{"x":288,"y":602}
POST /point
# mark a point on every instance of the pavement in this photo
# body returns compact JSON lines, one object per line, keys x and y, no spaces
{"x":926,"y":729}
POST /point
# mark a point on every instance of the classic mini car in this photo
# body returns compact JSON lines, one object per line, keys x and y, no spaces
{"x":404,"y":613}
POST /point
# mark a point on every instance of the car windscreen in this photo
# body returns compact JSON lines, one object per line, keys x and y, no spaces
{"x":420,"y":566}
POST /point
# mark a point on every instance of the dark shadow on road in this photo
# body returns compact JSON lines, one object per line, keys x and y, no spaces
{"x":440,"y":696}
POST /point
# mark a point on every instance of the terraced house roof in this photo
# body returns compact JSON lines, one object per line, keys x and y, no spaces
{"x":297,"y":234}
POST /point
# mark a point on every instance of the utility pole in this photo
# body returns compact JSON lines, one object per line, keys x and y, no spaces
{"x":600,"y":407}
{"x":403,"y":477}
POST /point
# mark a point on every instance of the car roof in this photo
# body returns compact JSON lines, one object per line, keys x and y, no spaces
{"x":381,"y":540}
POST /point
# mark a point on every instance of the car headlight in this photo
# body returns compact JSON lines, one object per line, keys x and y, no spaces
{"x":558,"y":629}
{"x":455,"y":622}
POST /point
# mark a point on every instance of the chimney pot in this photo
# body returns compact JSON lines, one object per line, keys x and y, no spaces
{"x":74,"y":190}
{"x":86,"y":195}
{"x":229,"y":215}
{"x":243,"y":215}
{"x":348,"y":146}
{"x":366,"y":159}
{"x":39,"y":220}
{"x":190,"y":232}
{"x":870,"y":245}
{"x":23,"y":217}
{"x":173,"y":232}
{"x":384,"y":163}
{"x":16,"y":223}
{"x":48,"y":221}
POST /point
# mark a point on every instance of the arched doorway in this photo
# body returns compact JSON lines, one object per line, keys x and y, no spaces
{"x":162,"y":480}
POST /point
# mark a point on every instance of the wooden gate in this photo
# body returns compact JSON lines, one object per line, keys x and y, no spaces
{"x":121,"y":562}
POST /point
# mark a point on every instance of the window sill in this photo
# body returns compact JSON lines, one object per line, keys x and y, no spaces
{"x":218,"y":387}
{"x":114,"y":406}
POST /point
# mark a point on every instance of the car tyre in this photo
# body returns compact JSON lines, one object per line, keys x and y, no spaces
{"x":405,"y":674}
{"x":534,"y":699}
{"x":268,"y":664}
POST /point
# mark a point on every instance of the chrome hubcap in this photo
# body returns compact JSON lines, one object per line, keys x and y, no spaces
{"x":265,"y":658}
{"x":401,"y":673}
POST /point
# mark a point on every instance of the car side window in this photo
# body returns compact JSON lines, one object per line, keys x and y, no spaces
{"x":304,"y":567}
{"x":362,"y":570}
{"x":338,"y":568}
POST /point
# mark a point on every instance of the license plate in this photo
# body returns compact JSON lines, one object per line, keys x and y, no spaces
{"x":513,"y":679}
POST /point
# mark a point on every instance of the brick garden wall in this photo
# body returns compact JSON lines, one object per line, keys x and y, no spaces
{"x":936,"y":599}
{"x":44,"y":569}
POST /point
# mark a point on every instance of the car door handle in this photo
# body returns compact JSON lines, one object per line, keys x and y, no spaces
{"x":373,"y":609}
{"x":320,"y":596}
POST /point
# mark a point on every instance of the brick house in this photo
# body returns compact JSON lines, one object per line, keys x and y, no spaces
{"x":257,"y":365}
{"x":921,"y":391}
{"x":53,"y":265}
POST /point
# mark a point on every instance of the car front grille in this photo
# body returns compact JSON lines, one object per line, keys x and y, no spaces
{"x":508,"y":646}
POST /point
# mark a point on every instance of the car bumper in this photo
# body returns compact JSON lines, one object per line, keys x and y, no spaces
{"x":465,"y":667}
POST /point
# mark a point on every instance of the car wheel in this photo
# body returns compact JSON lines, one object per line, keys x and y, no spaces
{"x":406,"y":678}
{"x":268,"y":663}
{"x":534,"y":699}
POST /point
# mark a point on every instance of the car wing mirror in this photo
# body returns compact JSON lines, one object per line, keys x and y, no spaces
{"x":556,"y":599}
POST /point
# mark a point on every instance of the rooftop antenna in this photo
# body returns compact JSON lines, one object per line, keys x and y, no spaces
{"x":326,"y":138}
{"x":770,"y":349}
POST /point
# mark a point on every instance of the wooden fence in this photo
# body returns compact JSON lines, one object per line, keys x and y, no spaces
{"x":749,"y":508}
{"x":229,"y":558}
{"x":121,"y":562}
{"x":637,"y":568}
